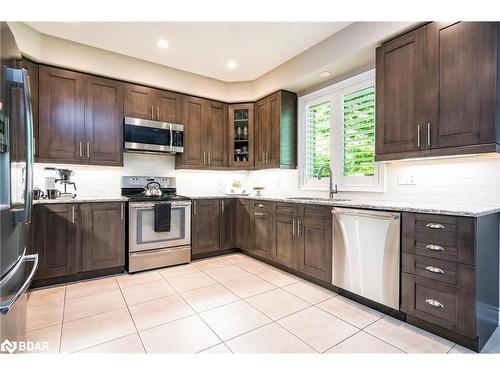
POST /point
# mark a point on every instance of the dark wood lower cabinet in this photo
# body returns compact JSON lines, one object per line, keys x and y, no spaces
{"x":228,"y":224}
{"x":103,"y":235}
{"x":205,"y":226}
{"x":56,"y":238}
{"x":73,"y":240}
{"x":244,"y":227}
{"x":284,"y":248}
{"x":262,"y":223}
{"x":315,"y":247}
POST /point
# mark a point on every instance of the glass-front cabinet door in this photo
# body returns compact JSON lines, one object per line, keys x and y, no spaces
{"x":241,"y":148}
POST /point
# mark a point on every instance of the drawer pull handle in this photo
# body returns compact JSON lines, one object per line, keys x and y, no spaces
{"x":260,"y":205}
{"x":434,"y":247}
{"x":259,"y":214}
{"x":435,"y":226}
{"x":434,"y":269}
{"x":434,"y":303}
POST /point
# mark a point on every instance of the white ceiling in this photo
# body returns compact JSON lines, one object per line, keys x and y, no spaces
{"x":201,"y":47}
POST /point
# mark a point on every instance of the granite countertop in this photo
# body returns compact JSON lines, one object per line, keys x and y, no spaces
{"x":429,"y":208}
{"x":80,"y":200}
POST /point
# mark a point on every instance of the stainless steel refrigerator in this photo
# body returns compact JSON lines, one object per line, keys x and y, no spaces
{"x":17,"y":268}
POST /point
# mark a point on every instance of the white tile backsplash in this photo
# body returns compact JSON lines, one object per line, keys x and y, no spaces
{"x":465,"y":180}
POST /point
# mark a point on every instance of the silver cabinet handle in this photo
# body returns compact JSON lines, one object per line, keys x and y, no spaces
{"x":434,"y":269}
{"x":204,"y":159}
{"x":222,"y":205}
{"x":72,"y":214}
{"x":434,"y":247}
{"x":259,"y":214}
{"x":152,"y":113}
{"x":429,"y":134}
{"x":121,"y":211}
{"x":260,"y":205}
{"x":195,"y":207}
{"x":208,"y":157}
{"x":264,"y":157}
{"x":293,"y":227}
{"x":435,"y":226}
{"x":434,"y":303}
{"x":81,"y":152}
{"x":158,"y":113}
{"x":298,"y":227}
{"x":418,"y":135}
{"x":88,"y":150}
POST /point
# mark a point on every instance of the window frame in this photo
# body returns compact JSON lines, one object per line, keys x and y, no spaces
{"x":335,"y":93}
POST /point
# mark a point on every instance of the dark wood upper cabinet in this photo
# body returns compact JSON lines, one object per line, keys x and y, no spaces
{"x":437,"y":91}
{"x":205,"y":228}
{"x":104,"y":121}
{"x":216,"y":135}
{"x":169,"y":106}
{"x":61,"y":115}
{"x":139,"y":101}
{"x":240,"y":136}
{"x":56,"y":237}
{"x":461,"y":83}
{"x":400,"y":91}
{"x":103,"y":235}
{"x":194,"y":121}
{"x":276,"y":131}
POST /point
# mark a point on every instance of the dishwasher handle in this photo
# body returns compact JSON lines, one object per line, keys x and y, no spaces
{"x":367,"y":214}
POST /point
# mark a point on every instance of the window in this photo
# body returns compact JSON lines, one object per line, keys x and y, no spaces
{"x":337,"y":128}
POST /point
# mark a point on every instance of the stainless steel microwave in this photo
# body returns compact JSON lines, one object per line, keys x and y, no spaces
{"x":141,"y":135}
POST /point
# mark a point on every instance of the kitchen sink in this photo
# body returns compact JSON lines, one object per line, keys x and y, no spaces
{"x":320,"y":199}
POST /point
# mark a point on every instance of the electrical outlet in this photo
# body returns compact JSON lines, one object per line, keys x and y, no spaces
{"x":406,"y":179}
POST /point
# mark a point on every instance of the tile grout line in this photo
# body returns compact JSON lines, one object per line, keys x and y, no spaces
{"x":131,"y":316}
{"x":62,"y":320}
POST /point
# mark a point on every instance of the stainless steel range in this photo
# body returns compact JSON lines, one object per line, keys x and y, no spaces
{"x":159,"y":223}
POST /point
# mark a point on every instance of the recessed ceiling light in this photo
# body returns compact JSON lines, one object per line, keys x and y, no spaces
{"x":162,"y":43}
{"x":324,"y":74}
{"x":231,"y":65}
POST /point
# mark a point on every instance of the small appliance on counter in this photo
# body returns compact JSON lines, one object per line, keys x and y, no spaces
{"x":159,"y":223}
{"x":61,"y":176}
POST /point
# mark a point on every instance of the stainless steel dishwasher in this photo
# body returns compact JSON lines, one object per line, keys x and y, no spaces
{"x":366,"y":253}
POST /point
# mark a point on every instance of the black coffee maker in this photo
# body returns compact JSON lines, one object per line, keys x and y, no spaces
{"x":65,"y":180}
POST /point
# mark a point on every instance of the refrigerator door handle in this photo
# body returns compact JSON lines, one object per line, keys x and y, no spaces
{"x":28,"y":118}
{"x":5,"y":307}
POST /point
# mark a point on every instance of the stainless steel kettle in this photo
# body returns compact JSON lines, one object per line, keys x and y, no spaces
{"x":152,"y":189}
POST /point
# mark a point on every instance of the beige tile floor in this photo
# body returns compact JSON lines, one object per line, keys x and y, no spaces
{"x":226,"y":304}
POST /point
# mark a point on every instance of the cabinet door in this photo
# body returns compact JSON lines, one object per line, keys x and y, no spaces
{"x":240,"y":146}
{"x":194,"y":120}
{"x":32,"y":69}
{"x":244,"y":227}
{"x":273,"y":153}
{"x":461,"y":83}
{"x":262,"y":229}
{"x":228,"y":224}
{"x":61,"y":115}
{"x":55,"y":239}
{"x":103,"y":235}
{"x":400,"y":91}
{"x":104,"y":121}
{"x":261,"y":131}
{"x":139,"y":101}
{"x":216,"y":134}
{"x":284,"y":248}
{"x":314,"y":238}
{"x":169,"y":106}
{"x":205,"y":226}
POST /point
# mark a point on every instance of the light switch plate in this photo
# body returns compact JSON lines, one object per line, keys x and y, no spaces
{"x":406,"y":179}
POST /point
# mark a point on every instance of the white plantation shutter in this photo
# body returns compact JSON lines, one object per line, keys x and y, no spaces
{"x":317,"y":137}
{"x":359,"y":133}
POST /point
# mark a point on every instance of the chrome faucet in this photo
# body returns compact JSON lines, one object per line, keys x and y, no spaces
{"x":333,"y":190}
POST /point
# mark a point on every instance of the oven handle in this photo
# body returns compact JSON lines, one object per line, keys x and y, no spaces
{"x":151,"y":205}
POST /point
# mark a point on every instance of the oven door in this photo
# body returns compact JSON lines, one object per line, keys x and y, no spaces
{"x":141,"y":226}
{"x":147,"y":135}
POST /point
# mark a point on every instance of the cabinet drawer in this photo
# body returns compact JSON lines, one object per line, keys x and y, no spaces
{"x":263,"y":206}
{"x":438,"y":303}
{"x":440,"y":270}
{"x":286,"y":209}
{"x":443,"y":237}
{"x":317,"y":212}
